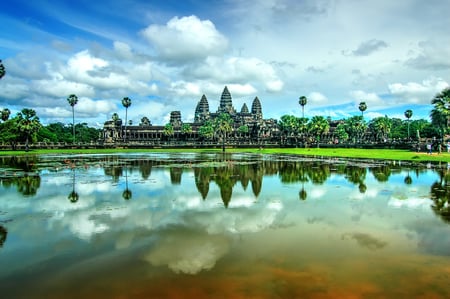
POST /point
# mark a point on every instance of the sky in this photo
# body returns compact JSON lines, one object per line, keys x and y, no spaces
{"x":164,"y":55}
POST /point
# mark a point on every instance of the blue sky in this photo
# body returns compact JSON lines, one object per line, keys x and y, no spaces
{"x":165,"y":55}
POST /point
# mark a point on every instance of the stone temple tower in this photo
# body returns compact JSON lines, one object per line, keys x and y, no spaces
{"x":202,"y":110}
{"x":226,"y":105}
{"x":256,"y":109}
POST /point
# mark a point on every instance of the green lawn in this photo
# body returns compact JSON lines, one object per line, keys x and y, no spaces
{"x":386,"y":154}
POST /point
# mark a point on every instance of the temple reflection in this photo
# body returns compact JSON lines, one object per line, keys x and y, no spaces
{"x":225,"y":171}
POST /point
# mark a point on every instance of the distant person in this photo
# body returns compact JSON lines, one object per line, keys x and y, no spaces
{"x":448,"y":147}
{"x":429,"y":148}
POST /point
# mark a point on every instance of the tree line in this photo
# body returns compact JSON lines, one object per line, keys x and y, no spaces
{"x":25,"y":126}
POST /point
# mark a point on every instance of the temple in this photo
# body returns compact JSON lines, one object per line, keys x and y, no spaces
{"x":248,"y":127}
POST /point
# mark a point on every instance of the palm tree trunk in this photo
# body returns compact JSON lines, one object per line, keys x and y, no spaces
{"x":125,"y":133}
{"x":73,"y":123}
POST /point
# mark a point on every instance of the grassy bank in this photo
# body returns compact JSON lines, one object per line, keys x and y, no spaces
{"x":386,"y":154}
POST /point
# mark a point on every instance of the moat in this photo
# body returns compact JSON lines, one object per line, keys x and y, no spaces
{"x":213,"y":225}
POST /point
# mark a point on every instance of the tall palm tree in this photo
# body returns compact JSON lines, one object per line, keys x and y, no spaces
{"x":73,"y":100}
{"x":318,"y":126}
{"x":5,"y":113}
{"x":28,"y":123}
{"x":408,"y":114}
{"x":2,"y":69}
{"x":224,"y":125}
{"x":441,"y":104}
{"x":302,"y":101}
{"x":126,"y":102}
{"x":362,"y":107}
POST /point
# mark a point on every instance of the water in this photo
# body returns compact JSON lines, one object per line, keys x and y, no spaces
{"x":222,"y":226}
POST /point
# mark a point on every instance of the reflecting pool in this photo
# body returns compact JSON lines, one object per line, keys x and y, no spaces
{"x":213,"y":225}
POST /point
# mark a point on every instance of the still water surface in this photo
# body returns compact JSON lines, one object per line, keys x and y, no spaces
{"x":222,"y":226}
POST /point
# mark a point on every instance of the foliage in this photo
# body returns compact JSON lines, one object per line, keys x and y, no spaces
{"x":168,"y":130}
{"x":206,"y":131}
{"x":381,"y":126}
{"x":440,"y":115}
{"x":362,"y":107}
{"x":243,"y":129}
{"x":28,"y":124}
{"x":318,"y":126}
{"x":2,"y":70}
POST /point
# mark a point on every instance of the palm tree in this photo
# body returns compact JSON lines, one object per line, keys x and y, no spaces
{"x":440,"y":115}
{"x":318,"y":126}
{"x":73,"y":100}
{"x":2,"y":69}
{"x":73,"y":195}
{"x":362,"y":107}
{"x":408,"y":114}
{"x":28,"y":123}
{"x":126,"y":102}
{"x":168,"y":130}
{"x":223,"y":125}
{"x":302,"y":101}
{"x":5,"y":113}
{"x":127,"y":193}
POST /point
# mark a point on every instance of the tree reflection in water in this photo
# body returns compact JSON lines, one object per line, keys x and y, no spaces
{"x":73,"y":195}
{"x":440,"y":195}
{"x":226,"y":171}
{"x":3,"y":235}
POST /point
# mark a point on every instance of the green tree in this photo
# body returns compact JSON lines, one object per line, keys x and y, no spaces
{"x":73,"y":100}
{"x":223,"y":125}
{"x":362,"y":107}
{"x":441,"y":109}
{"x":303,"y":101}
{"x":186,"y":129}
{"x":206,"y":130}
{"x":381,"y":126}
{"x":4,"y":114}
{"x":168,"y":130}
{"x":340,"y":132}
{"x":318,"y":126}
{"x":408,"y":115}
{"x":2,"y":69}
{"x":355,"y":127}
{"x":126,"y":102}
{"x":28,"y":124}
{"x":243,"y":129}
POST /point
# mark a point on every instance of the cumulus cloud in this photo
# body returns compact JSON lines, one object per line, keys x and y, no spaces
{"x":431,"y":55}
{"x":368,"y":47}
{"x":371,"y":99}
{"x":317,"y":97}
{"x":418,"y":93}
{"x":243,"y":71}
{"x":187,"y":251}
{"x":186,"y":38}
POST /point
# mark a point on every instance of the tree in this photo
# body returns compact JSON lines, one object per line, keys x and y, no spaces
{"x":302,"y":101}
{"x":408,"y":114}
{"x":206,"y":130}
{"x":2,"y":69}
{"x":186,"y":129}
{"x":73,"y":100}
{"x":362,"y":107}
{"x":5,"y":113}
{"x":168,"y":130}
{"x":382,"y":126}
{"x":115,"y":117}
{"x":318,"y":126}
{"x":126,"y":102}
{"x":223,"y":125}
{"x":340,"y":132}
{"x":28,"y":124}
{"x":440,"y":115}
{"x":355,"y":127}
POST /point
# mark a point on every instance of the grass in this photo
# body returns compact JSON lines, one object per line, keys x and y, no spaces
{"x":383,"y":154}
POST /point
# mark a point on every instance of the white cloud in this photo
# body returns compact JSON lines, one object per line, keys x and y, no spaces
{"x":418,"y":93}
{"x":188,"y":252}
{"x":123,"y":50}
{"x":317,"y":98}
{"x":371,"y":99}
{"x":186,"y":38}
{"x":89,"y":107}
